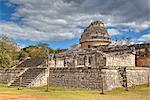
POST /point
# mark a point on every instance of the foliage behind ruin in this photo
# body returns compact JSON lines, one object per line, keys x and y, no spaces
{"x":8,"y":52}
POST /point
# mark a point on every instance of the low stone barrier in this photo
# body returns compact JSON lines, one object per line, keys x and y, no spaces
{"x":7,"y":75}
{"x":75,"y":77}
{"x":92,"y":78}
{"x":135,"y":76}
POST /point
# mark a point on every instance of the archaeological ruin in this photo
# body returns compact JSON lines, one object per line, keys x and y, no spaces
{"x":95,"y":35}
{"x":94,"y":65}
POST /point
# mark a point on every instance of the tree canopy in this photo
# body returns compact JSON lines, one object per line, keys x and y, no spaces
{"x":8,"y":52}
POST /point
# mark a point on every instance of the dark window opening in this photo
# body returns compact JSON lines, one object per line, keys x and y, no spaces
{"x":89,"y":60}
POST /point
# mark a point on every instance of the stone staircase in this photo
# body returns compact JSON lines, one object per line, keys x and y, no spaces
{"x":31,"y":63}
{"x":27,"y":77}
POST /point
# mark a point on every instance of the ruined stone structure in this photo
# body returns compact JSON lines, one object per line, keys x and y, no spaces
{"x":92,"y":78}
{"x":93,"y":57}
{"x":142,"y":54}
{"x":79,"y":58}
{"x":95,"y":35}
{"x":81,"y":77}
{"x":93,"y":66}
{"x":120,"y":56}
{"x":27,"y":71}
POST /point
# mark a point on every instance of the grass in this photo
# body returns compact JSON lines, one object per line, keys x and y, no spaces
{"x":55,"y":93}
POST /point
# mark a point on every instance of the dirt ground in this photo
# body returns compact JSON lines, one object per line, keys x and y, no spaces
{"x":24,"y":98}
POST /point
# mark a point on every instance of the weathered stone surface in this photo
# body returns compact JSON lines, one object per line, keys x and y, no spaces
{"x":31,"y":62}
{"x":79,"y":58}
{"x":126,"y":59}
{"x":111,"y":78}
{"x":135,"y":76}
{"x":143,"y":61}
{"x":95,"y":35}
{"x":30,"y":76}
{"x":40,"y":80}
{"x":92,"y":78}
{"x":8,"y":75}
{"x":142,"y":54}
{"x":75,"y":77}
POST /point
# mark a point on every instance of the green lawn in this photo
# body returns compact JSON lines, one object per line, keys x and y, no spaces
{"x":134,"y":93}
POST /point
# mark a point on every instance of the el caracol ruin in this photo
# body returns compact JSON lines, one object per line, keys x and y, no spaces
{"x":95,"y":65}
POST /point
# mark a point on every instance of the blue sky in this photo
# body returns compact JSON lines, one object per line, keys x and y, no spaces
{"x":60,"y":23}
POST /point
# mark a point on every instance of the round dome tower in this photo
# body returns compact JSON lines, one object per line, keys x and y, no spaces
{"x":95,"y":35}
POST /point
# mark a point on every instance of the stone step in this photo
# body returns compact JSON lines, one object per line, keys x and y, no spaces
{"x":28,"y":76}
{"x":21,"y":85}
{"x":29,"y":81}
{"x":25,"y":83}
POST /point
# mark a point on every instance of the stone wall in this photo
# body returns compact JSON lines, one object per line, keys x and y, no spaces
{"x":75,"y":77}
{"x":111,"y":79}
{"x":3,"y":76}
{"x":143,"y":61}
{"x":135,"y":76}
{"x":125,"y":59}
{"x":93,"y":43}
{"x":8,"y":75}
{"x":92,"y":78}
{"x":79,"y":59}
{"x":59,"y":62}
{"x":84,"y":77}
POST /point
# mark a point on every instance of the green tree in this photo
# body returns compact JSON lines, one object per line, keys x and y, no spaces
{"x":8,"y":52}
{"x":60,"y":50}
{"x":40,"y":50}
{"x":51,"y":50}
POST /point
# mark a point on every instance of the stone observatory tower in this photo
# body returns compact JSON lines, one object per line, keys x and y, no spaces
{"x":95,"y":35}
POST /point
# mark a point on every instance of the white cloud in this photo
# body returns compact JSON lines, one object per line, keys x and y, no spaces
{"x":113,"y":32}
{"x":136,"y":26}
{"x":145,"y":37}
{"x":28,"y":33}
{"x":58,"y":19}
